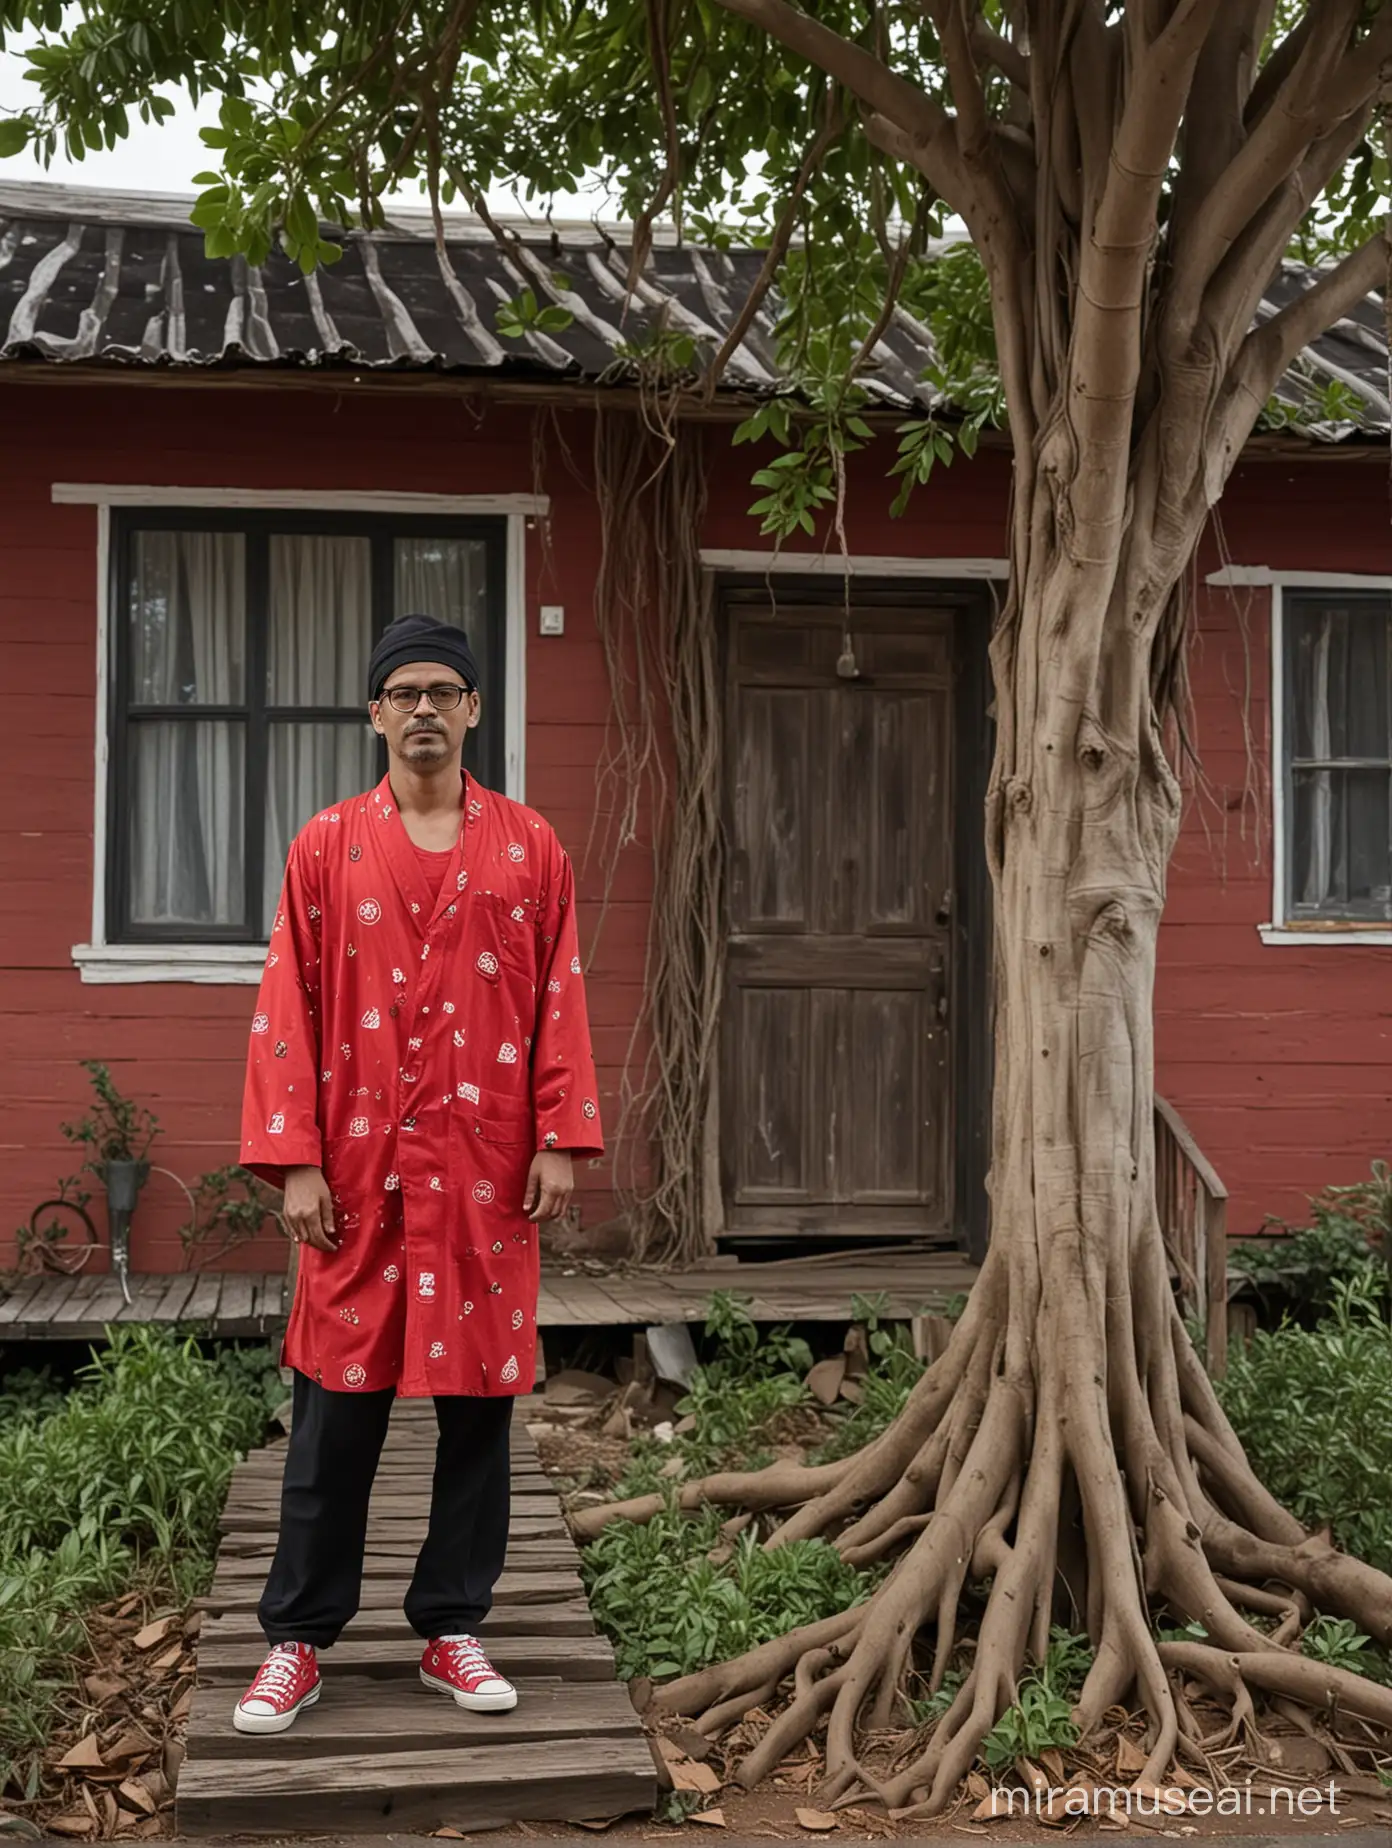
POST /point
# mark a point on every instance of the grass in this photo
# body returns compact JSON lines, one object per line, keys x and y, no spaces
{"x":117,"y":1484}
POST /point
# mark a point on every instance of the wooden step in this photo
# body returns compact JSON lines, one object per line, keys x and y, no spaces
{"x":386,"y":1623}
{"x":468,"y":1788}
{"x":405,"y":1531}
{"x":401,"y":1716}
{"x":396,"y":1562}
{"x":239,"y":1591}
{"x":572,"y":1658}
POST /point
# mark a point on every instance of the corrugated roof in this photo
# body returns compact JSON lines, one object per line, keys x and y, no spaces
{"x":112,"y":279}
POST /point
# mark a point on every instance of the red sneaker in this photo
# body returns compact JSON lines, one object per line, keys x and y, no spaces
{"x":286,"y":1681}
{"x":457,"y":1665}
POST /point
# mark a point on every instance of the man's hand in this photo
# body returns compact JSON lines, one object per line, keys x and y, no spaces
{"x":308,"y":1209}
{"x":550,"y":1183}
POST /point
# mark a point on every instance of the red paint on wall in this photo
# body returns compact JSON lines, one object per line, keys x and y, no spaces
{"x":1279,"y":1058}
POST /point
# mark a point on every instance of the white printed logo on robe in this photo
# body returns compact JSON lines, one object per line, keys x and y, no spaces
{"x":468,"y":1309}
{"x":497,"y":1246}
{"x":487,"y":963}
{"x":398,"y":976}
{"x":355,"y":1375}
{"x":369,"y":911}
{"x":372,"y":1018}
{"x":469,"y":1093}
{"x":510,"y":1370}
{"x":437,"y":1350}
{"x":507,"y":1053}
{"x":392,"y":1274}
{"x":425,"y":1285}
{"x":587,"y":1108}
{"x":517,"y":1318}
{"x":462,"y":881}
{"x":483,"y":1192}
{"x":276,"y":1126}
{"x":458,"y":1036}
{"x":575,"y":965}
{"x":518,"y":913}
{"x":261,"y":1023}
{"x":516,"y":851}
{"x":359,"y":1127}
{"x":392,"y":1182}
{"x":553,"y":987}
{"x":447,"y":1007}
{"x":436,"y":1186}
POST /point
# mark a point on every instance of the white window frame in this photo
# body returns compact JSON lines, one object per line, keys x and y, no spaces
{"x":240,"y":964}
{"x":1281,"y":930}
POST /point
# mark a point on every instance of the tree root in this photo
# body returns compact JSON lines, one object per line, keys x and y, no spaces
{"x":1085,"y":1495}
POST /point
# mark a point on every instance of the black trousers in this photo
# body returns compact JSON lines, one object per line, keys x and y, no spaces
{"x":335,"y":1441}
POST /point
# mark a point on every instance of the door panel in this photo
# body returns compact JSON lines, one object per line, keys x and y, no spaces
{"x":835,"y":1101}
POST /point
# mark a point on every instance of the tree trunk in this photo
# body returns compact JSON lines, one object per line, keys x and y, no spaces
{"x":1068,"y":1443}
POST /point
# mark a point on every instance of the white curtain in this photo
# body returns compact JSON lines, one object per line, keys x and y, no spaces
{"x":1320,"y":861}
{"x":188,"y":628}
{"x":319,"y":642}
{"x":445,"y":578}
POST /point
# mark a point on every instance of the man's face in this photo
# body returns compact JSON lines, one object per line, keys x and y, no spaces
{"x":423,"y":735}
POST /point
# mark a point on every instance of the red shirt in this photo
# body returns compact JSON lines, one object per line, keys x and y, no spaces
{"x":434,"y":866}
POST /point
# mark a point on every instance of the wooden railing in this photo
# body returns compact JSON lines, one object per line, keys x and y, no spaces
{"x":1193,"y":1207}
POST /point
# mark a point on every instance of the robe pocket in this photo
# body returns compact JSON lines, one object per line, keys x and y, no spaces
{"x":508,"y":1127}
{"x":511,"y":940}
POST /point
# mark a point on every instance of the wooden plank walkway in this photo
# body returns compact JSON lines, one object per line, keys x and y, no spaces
{"x":251,"y":1303}
{"x":380,"y":1751}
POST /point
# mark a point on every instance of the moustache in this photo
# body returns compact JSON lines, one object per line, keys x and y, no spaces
{"x":415,"y":731}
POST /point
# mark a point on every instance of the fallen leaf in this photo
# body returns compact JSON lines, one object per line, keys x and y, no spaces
{"x":110,"y":1813}
{"x":86,"y":1755}
{"x":824,"y":1380}
{"x":996,"y":1804}
{"x":976,"y":1784}
{"x":715,"y":1818}
{"x":131,"y":1744}
{"x":595,"y":1822}
{"x":136,"y":1796}
{"x":1053,"y":1764}
{"x":454,"y":1835}
{"x":172,"y":1759}
{"x":103,"y":1687}
{"x":1129,"y":1757}
{"x":695,"y":1745}
{"x":127,"y":1605}
{"x":154,"y":1632}
{"x":155,"y":1782}
{"x":76,"y":1822}
{"x":148,"y":1826}
{"x":170,"y":1659}
{"x":686,"y":1774}
{"x":1032,"y":1775}
{"x":821,"y":1820}
{"x":181,"y":1706}
{"x":193,"y":1623}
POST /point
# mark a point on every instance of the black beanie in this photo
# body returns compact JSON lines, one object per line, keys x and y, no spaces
{"x":420,"y":638}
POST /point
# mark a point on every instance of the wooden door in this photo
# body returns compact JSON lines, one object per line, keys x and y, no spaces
{"x":835,"y":1100}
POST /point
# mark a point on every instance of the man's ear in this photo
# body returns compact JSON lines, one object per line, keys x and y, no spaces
{"x":475,"y":710}
{"x":374,"y":713}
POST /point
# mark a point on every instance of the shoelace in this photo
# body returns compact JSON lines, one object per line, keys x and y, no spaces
{"x":277,"y":1673}
{"x":469,"y":1656}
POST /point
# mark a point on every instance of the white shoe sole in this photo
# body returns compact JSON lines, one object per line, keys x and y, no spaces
{"x":274,"y":1722}
{"x":476,"y":1703}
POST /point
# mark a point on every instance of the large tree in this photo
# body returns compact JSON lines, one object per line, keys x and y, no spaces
{"x":1131,"y":173}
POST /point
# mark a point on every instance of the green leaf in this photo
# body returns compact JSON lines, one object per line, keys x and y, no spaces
{"x":14,"y":135}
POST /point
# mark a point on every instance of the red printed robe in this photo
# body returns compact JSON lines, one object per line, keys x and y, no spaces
{"x":421,"y":1052}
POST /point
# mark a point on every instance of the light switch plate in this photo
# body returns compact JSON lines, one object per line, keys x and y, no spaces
{"x":552,"y":619}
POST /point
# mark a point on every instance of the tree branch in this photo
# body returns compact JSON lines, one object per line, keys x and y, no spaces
{"x":1215,"y":115}
{"x":1323,"y":89}
{"x":1268,"y":351}
{"x":922,"y":121}
{"x":991,"y":48}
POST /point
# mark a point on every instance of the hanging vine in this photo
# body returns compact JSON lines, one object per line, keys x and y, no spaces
{"x":661,"y":763}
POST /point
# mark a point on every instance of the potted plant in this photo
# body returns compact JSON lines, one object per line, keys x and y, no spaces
{"x":117,"y":1134}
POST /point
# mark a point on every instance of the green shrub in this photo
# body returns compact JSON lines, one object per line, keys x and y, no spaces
{"x":1313,"y":1408}
{"x":1042,"y":1714}
{"x":123,"y":1482}
{"x":669,"y":1610}
{"x":1347,"y":1239}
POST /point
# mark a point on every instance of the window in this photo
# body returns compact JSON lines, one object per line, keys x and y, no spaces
{"x":241,"y":644}
{"x":1337,"y":751}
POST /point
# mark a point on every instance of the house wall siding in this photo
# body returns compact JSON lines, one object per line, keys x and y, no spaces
{"x":1279,"y":1058}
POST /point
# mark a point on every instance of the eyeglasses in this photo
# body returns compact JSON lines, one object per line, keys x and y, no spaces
{"x":444,"y":698}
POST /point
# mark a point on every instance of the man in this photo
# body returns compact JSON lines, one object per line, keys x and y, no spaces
{"x":419,"y":1080}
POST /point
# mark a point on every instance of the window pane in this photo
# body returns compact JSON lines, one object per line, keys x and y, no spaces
{"x":1339,"y":680}
{"x":448,"y":579}
{"x":320,"y":620}
{"x":1340,"y":860}
{"x":310,"y":767}
{"x":187,"y":859}
{"x":188,"y":619}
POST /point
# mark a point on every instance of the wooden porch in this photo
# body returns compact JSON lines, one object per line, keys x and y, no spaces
{"x":249,"y":1303}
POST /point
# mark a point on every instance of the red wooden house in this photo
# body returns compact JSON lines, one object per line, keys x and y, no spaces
{"x":218,"y":482}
